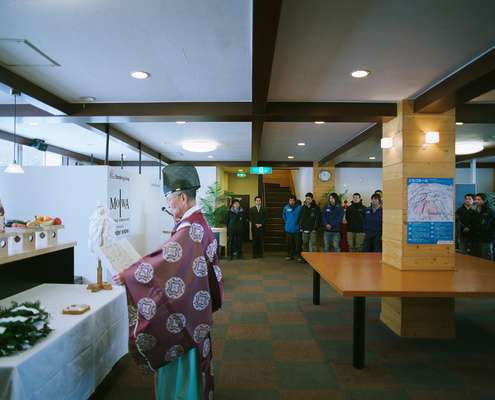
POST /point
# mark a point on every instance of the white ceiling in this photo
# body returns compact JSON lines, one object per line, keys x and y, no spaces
{"x":406,"y":45}
{"x":234,"y":139}
{"x":75,"y":138}
{"x":280,"y":140}
{"x":195,"y":50}
{"x":200,"y":50}
{"x":488,"y":97}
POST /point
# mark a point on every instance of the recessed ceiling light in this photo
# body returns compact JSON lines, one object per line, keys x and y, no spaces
{"x":319,"y":122}
{"x":87,"y":99}
{"x":459,"y":123}
{"x":301,"y":144}
{"x":140,"y":75}
{"x":360,"y":73}
{"x":290,"y":157}
{"x":210,"y":156}
{"x":372,"y":158}
{"x":32,"y":123}
{"x":468,"y":147}
{"x":180,"y":122}
{"x":199,"y":146}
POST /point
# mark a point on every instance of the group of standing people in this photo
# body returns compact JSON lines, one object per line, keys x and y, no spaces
{"x":303,"y":221}
{"x":476,"y":226}
{"x":235,"y":221}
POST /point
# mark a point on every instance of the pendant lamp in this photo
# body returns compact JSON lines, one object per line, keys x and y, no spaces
{"x":14,"y":168}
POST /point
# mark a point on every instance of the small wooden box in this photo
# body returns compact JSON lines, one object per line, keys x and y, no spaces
{"x":76,"y":309}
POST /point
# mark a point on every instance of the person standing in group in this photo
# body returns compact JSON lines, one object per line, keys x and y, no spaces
{"x":373,"y":217}
{"x":290,"y":215}
{"x":309,"y":221}
{"x":483,"y":228}
{"x":172,"y":294}
{"x":332,"y":217}
{"x":354,"y":215}
{"x":258,"y":217}
{"x":465,"y":216}
{"x":234,"y":220}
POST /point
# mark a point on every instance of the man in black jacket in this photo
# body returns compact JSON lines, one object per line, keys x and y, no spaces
{"x":354,"y":215}
{"x":465,"y":216}
{"x":258,"y":217}
{"x":234,"y":220}
{"x":309,"y":221}
{"x":483,"y":228}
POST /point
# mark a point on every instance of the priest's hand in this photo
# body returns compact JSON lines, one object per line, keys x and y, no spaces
{"x":118,"y":279}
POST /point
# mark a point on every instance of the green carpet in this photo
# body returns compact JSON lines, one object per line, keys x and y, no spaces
{"x":271,"y":342}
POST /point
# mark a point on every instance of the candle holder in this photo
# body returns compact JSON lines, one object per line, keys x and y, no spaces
{"x":99,"y":285}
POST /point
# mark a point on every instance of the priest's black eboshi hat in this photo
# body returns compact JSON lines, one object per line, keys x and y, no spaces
{"x":180,"y":176}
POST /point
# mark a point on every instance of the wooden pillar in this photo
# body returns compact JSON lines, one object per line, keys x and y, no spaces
{"x":410,"y":157}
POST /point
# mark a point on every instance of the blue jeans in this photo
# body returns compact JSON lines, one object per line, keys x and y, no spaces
{"x":331,"y":242}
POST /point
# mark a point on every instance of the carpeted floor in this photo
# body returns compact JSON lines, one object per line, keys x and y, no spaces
{"x":270,"y":342}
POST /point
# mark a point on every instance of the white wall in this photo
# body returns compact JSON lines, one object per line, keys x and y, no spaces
{"x":362,"y":180}
{"x":303,"y":181}
{"x":70,"y":193}
{"x":207,"y":176}
{"x":484,"y":178}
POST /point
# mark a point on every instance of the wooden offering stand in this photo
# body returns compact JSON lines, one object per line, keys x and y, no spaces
{"x":99,"y":285}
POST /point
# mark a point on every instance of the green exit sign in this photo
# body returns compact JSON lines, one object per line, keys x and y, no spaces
{"x":260,"y":170}
{"x":241,"y":175}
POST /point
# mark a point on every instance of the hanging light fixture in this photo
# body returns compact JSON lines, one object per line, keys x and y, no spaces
{"x":14,"y":168}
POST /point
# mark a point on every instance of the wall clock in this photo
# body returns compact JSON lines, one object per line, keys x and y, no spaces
{"x":325,"y":175}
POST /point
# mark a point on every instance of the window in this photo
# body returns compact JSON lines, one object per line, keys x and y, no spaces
{"x":6,"y":152}
{"x":34,"y":157}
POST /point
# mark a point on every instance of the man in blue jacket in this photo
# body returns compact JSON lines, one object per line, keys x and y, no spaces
{"x":373,"y":217}
{"x":332,"y":219}
{"x":290,"y":214}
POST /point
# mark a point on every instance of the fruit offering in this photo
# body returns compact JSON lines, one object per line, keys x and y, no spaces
{"x":43,"y":220}
{"x":38,"y":221}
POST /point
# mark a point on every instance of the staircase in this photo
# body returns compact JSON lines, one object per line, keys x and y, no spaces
{"x":276,"y":197}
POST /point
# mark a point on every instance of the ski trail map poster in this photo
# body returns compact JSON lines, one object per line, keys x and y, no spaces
{"x":430,"y":211}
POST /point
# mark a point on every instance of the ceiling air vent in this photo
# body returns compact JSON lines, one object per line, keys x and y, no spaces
{"x":22,"y":53}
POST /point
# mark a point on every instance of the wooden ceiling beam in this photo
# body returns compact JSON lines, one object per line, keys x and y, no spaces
{"x":359,"y":164}
{"x":475,"y":113}
{"x":468,"y":82}
{"x":329,"y":112}
{"x":372,"y":131}
{"x":166,"y":112}
{"x":266,"y":16}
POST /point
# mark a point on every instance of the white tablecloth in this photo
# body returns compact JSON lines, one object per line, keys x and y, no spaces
{"x":77,"y":355}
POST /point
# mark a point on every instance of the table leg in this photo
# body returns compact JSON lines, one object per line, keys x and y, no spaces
{"x":316,"y":288}
{"x":358,"y":340}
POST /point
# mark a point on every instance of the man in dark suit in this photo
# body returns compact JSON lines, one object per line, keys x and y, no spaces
{"x":258,"y":217}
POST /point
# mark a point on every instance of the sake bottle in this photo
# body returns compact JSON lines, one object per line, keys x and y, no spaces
{"x":2,"y":218}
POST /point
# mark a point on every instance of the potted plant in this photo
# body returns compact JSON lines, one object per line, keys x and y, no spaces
{"x":215,"y":205}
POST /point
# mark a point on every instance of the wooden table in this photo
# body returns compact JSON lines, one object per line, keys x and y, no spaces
{"x":360,"y":275}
